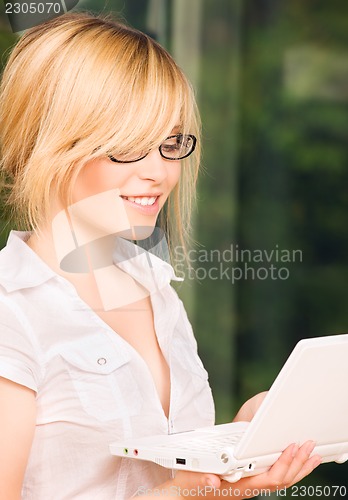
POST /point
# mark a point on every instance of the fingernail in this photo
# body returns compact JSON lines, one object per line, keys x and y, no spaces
{"x":210,"y":482}
{"x":294,"y":449}
{"x":317,"y":461}
{"x":310,"y":447}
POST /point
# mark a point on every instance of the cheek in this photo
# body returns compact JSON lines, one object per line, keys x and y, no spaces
{"x":172,"y":178}
{"x":96,"y":177}
{"x":174,"y":174}
{"x":98,"y":215}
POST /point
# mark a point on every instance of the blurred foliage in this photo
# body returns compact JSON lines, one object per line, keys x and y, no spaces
{"x":293,"y":177}
{"x":273,"y":93}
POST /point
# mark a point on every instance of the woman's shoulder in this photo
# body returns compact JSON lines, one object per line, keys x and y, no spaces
{"x":8,"y":258}
{"x":20,"y":267}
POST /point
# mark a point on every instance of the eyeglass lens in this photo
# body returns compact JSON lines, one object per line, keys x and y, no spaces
{"x":175,"y":147}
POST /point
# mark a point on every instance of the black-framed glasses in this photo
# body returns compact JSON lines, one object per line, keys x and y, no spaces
{"x":174,"y":147}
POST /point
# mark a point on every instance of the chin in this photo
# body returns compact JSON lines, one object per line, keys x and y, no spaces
{"x":137,"y":232}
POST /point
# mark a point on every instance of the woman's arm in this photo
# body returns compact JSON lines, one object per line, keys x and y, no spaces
{"x":248,"y":410}
{"x":17,"y":425}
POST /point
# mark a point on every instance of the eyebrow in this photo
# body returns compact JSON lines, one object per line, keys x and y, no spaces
{"x":176,"y":128}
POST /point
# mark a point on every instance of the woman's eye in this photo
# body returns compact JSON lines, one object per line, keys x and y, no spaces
{"x":171,"y":147}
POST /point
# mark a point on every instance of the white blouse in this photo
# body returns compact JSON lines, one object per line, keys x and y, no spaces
{"x":91,"y":386}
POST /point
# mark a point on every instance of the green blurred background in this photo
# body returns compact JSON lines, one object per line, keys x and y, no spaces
{"x":271,"y":78}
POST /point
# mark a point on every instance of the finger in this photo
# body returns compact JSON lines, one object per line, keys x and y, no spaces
{"x":300,"y":458}
{"x":274,"y":478}
{"x":294,"y":458}
{"x":308,"y":467}
{"x":193,"y":480}
{"x":280,"y":468}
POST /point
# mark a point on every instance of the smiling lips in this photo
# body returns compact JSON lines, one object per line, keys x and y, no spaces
{"x":146,"y":205}
{"x":141,"y":200}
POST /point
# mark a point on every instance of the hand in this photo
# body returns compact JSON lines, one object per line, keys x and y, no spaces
{"x":249,"y":408}
{"x":292,"y":466}
{"x":185,"y":485}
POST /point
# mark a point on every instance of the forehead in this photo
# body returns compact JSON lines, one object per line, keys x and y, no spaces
{"x":149,"y":122}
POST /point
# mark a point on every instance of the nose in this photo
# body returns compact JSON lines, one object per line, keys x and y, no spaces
{"x":153,"y":167}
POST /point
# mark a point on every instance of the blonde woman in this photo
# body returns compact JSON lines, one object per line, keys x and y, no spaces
{"x":100,"y":142}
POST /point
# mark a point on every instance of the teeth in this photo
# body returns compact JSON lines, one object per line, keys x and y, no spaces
{"x":143,"y":200}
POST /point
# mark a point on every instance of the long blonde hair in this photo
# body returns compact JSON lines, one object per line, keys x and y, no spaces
{"x":80,"y":87}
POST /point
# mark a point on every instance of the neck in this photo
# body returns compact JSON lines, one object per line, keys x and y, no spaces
{"x":88,"y":267}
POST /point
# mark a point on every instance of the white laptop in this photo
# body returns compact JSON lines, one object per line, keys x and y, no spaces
{"x":307,"y":401}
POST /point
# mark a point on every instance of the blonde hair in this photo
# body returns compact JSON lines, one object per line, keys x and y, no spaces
{"x":80,"y":87}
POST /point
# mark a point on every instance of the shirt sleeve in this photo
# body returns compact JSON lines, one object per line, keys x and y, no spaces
{"x":19,"y":360}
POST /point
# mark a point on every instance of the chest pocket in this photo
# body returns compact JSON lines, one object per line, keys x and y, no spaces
{"x":102,"y":378}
